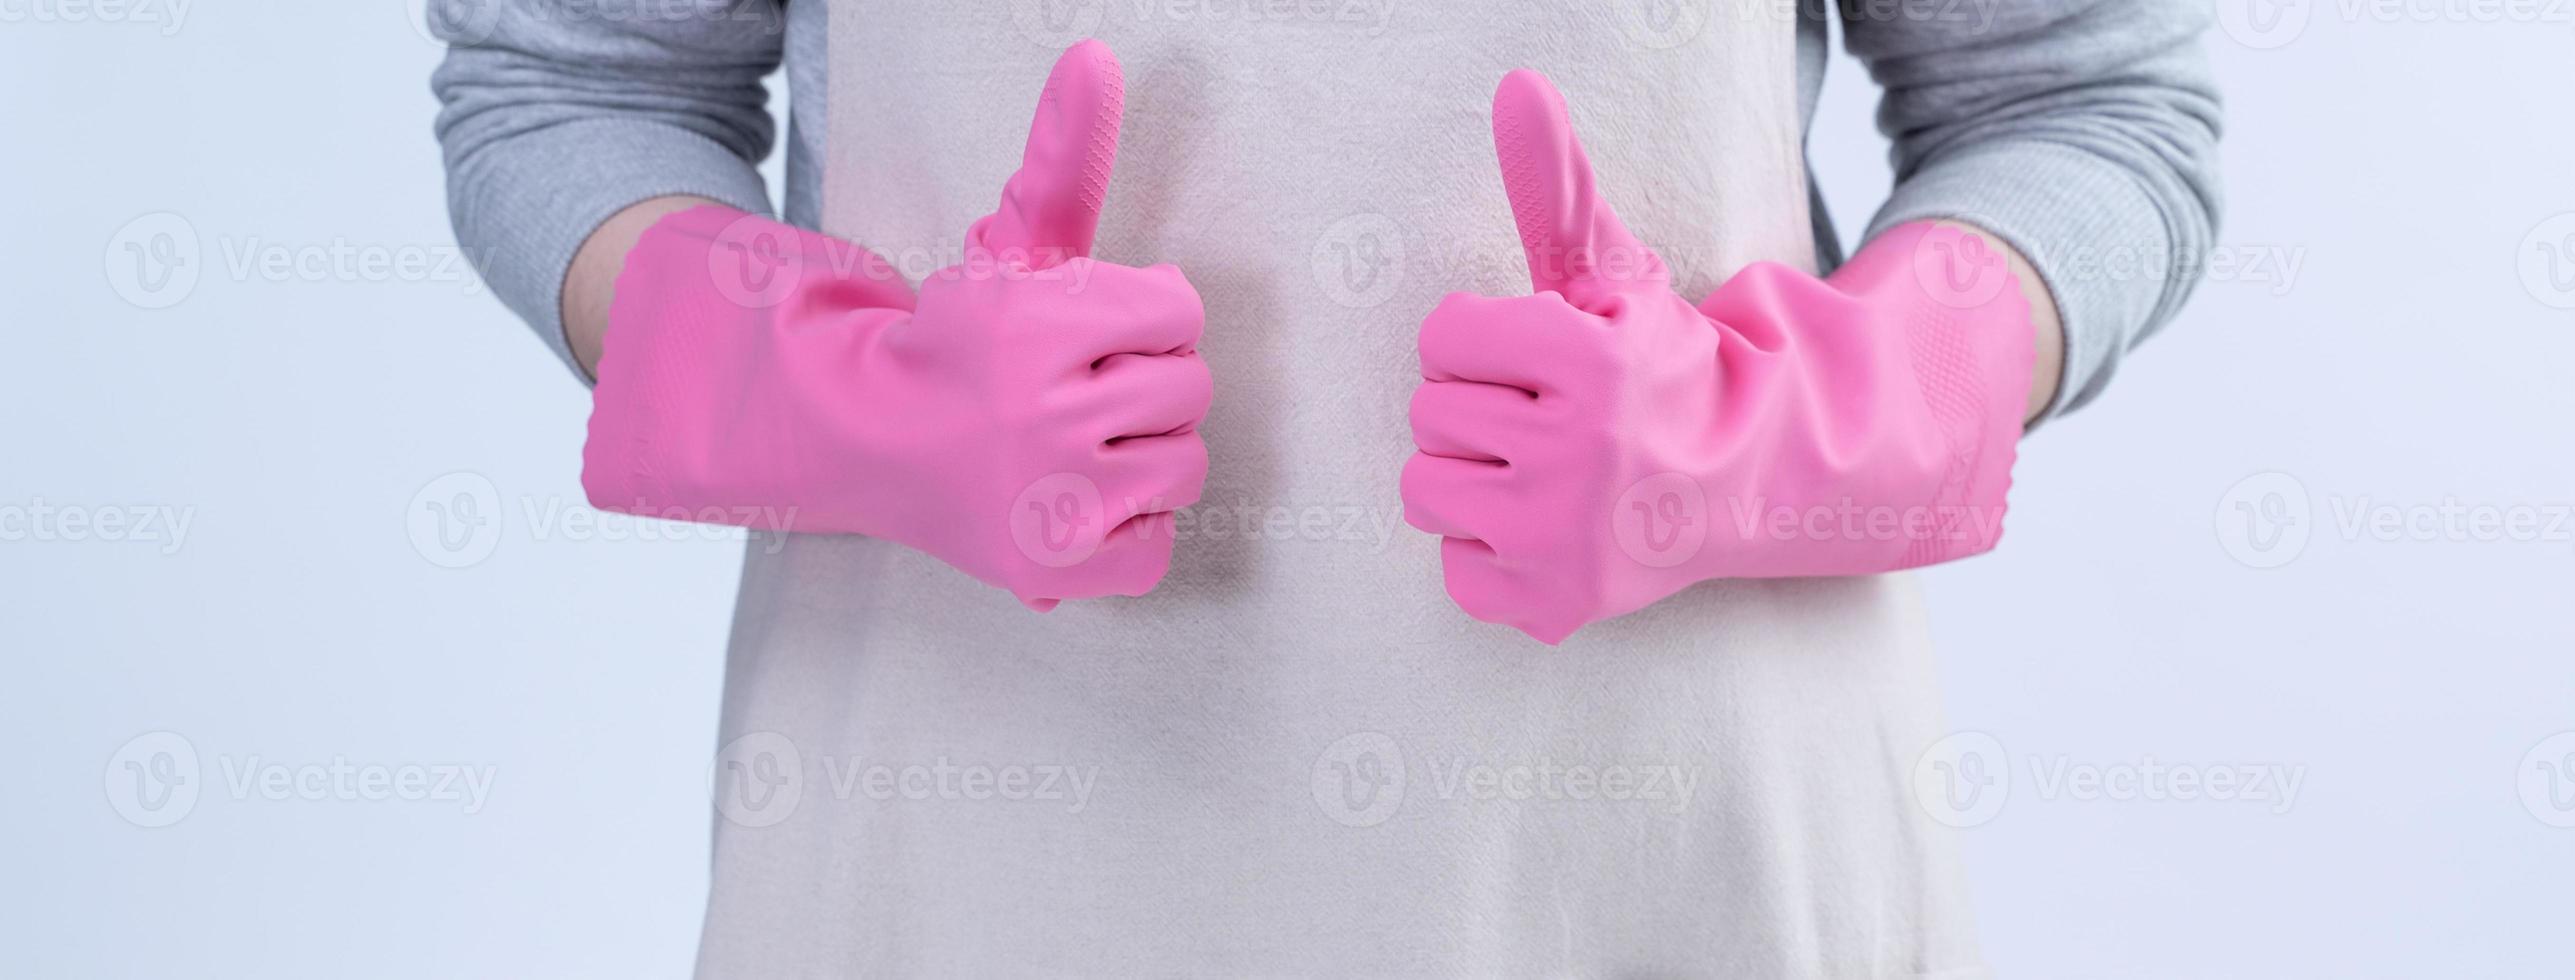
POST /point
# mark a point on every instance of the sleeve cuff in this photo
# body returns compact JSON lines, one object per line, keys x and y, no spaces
{"x":532,"y":200}
{"x":2095,"y":236}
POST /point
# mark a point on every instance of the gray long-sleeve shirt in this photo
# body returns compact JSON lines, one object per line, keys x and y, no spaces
{"x":2082,"y":131}
{"x":1296,"y":755}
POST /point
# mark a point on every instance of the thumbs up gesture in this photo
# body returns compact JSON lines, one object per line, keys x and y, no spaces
{"x":1603,"y":444}
{"x":1030,"y":417}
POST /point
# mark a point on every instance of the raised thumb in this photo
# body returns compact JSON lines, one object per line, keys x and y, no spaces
{"x":1575,"y":243}
{"x":1050,"y":208}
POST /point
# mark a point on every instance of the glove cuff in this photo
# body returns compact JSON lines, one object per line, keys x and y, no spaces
{"x":1969,"y":339}
{"x":658,"y":310}
{"x":692,"y":333}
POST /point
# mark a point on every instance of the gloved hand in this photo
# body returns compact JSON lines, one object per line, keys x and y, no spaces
{"x":1031,"y":419}
{"x":1600,"y":445}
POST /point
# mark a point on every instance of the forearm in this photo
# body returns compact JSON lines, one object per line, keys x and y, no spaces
{"x":2080,"y":137}
{"x":554,"y":128}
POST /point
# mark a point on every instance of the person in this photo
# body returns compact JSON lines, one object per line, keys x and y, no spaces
{"x":1081,"y":631}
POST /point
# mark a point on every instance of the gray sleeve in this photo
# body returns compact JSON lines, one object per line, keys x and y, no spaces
{"x":2084,"y":132}
{"x":557,"y":114}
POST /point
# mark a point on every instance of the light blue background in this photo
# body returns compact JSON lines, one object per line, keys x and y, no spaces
{"x":297,"y":421}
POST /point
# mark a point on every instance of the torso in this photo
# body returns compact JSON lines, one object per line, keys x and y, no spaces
{"x":1323,"y":176}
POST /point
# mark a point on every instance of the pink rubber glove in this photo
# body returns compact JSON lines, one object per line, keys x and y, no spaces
{"x":1031,"y":419}
{"x":1591,"y":449}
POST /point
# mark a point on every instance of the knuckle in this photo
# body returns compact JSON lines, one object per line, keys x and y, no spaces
{"x":1424,"y":409}
{"x":1411,"y":486}
{"x":1202,"y":386}
{"x":1176,"y":281}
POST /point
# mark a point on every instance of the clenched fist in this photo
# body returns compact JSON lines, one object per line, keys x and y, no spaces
{"x":1598,"y":446}
{"x":1030,"y":418}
